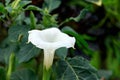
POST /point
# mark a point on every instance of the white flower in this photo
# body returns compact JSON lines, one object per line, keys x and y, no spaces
{"x":49,"y":40}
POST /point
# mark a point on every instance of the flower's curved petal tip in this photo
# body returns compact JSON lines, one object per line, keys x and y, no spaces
{"x":33,"y":31}
{"x":54,"y":29}
{"x":73,"y":42}
{"x":29,"y":32}
{"x":28,"y":42}
{"x":73,"y":47}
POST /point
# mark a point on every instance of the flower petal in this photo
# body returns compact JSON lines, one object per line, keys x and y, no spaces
{"x":48,"y":58}
{"x":50,"y":38}
{"x":63,"y":40}
{"x":35,"y":39}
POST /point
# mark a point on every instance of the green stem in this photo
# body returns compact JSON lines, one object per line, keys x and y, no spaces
{"x":10,"y":66}
{"x":39,"y":65}
{"x":46,"y":74}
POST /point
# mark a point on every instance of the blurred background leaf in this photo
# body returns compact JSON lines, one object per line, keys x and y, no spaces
{"x":24,"y":74}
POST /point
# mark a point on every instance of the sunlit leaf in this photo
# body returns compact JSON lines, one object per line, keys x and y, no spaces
{"x":97,"y":2}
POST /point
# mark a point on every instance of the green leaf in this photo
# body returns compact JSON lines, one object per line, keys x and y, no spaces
{"x":27,"y":52}
{"x":7,"y":2}
{"x":1,"y":56}
{"x":33,"y":20}
{"x":2,"y":8}
{"x":24,"y":74}
{"x":62,"y":52}
{"x":20,"y":18}
{"x":78,"y":18}
{"x":97,"y":2}
{"x":49,"y":20}
{"x":5,"y":52}
{"x":24,"y":3}
{"x":106,"y":74}
{"x":2,"y":16}
{"x":76,"y":68}
{"x":51,"y":4}
{"x":18,"y":33}
{"x":80,"y":41}
{"x":81,"y":15}
{"x":2,"y":73}
{"x":31,"y":7}
{"x":9,"y":9}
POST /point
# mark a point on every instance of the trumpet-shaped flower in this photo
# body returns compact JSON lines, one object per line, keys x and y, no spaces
{"x":49,"y":40}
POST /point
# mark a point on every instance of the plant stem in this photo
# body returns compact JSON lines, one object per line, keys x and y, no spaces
{"x":48,"y":61}
{"x":39,"y":65}
{"x":46,"y":74}
{"x":10,"y":66}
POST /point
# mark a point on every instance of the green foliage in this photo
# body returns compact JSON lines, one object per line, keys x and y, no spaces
{"x":63,"y":54}
{"x":105,"y":74}
{"x":114,"y":61}
{"x":2,"y":73}
{"x":24,"y":74}
{"x":33,"y":20}
{"x":5,"y":52}
{"x":13,"y":16}
{"x":76,"y":19}
{"x":108,"y":54}
{"x":20,"y":33}
{"x":49,"y":20}
{"x":112,"y":11}
{"x":32,"y":7}
{"x":27,"y":52}
{"x":79,"y":40}
{"x":7,"y":2}
{"x":72,"y":71}
{"x":51,"y":4}
{"x":2,"y":9}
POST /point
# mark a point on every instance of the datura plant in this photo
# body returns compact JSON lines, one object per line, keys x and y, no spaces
{"x":37,"y":49}
{"x":49,"y":40}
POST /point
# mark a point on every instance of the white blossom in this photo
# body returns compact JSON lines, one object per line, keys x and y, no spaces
{"x":49,"y":40}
